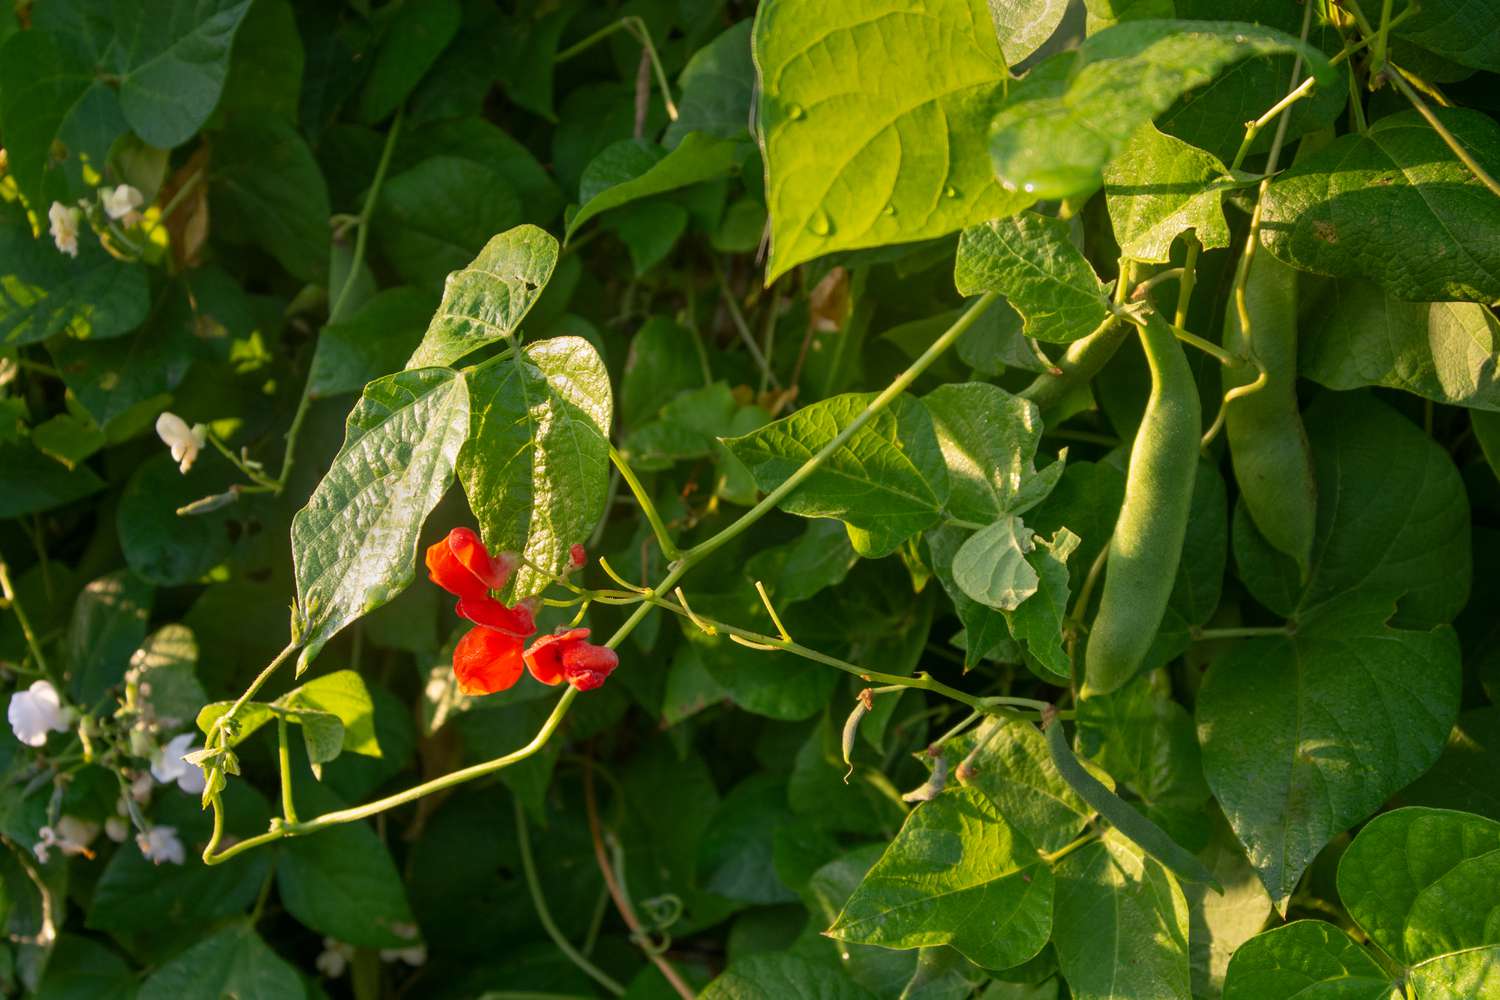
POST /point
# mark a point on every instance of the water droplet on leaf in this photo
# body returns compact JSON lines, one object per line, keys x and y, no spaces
{"x":795,"y":112}
{"x":820,"y":223}
{"x":950,"y":191}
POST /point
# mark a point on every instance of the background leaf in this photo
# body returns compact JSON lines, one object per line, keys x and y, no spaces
{"x":1030,"y":260}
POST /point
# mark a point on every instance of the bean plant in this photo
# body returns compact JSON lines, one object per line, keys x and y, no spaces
{"x":872,"y":500}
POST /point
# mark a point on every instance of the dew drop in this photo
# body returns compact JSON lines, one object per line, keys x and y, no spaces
{"x":820,"y":223}
{"x":889,"y":210}
{"x":795,"y":112}
{"x":950,"y":191}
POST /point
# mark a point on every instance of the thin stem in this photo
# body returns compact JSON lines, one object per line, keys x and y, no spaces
{"x":875,"y":407}
{"x":1238,"y":392}
{"x":1052,"y":857}
{"x":636,"y":28}
{"x":1252,"y":129}
{"x":743,"y":327}
{"x":1140,"y":291}
{"x":256,"y":684}
{"x":1245,"y":632}
{"x":1189,"y":279}
{"x":362,"y":221}
{"x":1206,"y":346}
{"x":669,"y":548}
{"x":284,"y":758}
{"x":1448,"y":137}
{"x":9,"y":592}
{"x":1378,"y":53}
{"x":533,"y":885}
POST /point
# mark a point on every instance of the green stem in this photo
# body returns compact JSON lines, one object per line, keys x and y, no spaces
{"x":284,"y":758}
{"x":539,"y":902}
{"x":256,"y":684}
{"x":636,"y":28}
{"x":1246,"y":632}
{"x":1206,"y":346}
{"x":743,"y":328}
{"x":1053,"y":857}
{"x":669,"y":548}
{"x":9,"y":592}
{"x":1464,"y":156}
{"x":1189,"y":279}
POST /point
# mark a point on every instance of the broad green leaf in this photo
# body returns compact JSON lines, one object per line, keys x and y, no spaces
{"x":1422,"y":884}
{"x":1120,"y":924}
{"x":342,"y":882}
{"x":172,"y":59}
{"x":536,"y":466}
{"x":991,"y":566}
{"x":1220,"y":922}
{"x":233,"y":961}
{"x":1303,"y":960}
{"x":887,"y":482}
{"x":630,"y":170}
{"x":1076,"y":111}
{"x":477,"y":139}
{"x":34,"y":483}
{"x":649,"y":230}
{"x":1305,"y":736}
{"x":124,"y":382}
{"x":1458,"y":779}
{"x":524,"y":66}
{"x":43,"y":292}
{"x":1014,"y":770}
{"x":1030,"y":260}
{"x":1454,"y":29}
{"x":664,"y":361}
{"x":49,"y":93}
{"x":1355,"y":334}
{"x":375,"y":341}
{"x":687,"y":427}
{"x":717,"y":88}
{"x":109,"y":622}
{"x":826,"y":889}
{"x":734,"y":854}
{"x":355,"y":543}
{"x":268,"y":189}
{"x":1038,"y":622}
{"x":265,"y":64}
{"x":785,"y":976}
{"x":985,"y":629}
{"x":433,"y":217}
{"x":487,"y":300}
{"x":989,"y":440}
{"x":1393,"y":521}
{"x":164,"y":667}
{"x":159,"y":545}
{"x":1395,"y":206}
{"x":414,"y":38}
{"x":343,"y":695}
{"x":1023,"y":26}
{"x":68,"y":439}
{"x":1159,"y":187}
{"x":81,"y":968}
{"x":899,"y":157}
{"x":955,"y":856}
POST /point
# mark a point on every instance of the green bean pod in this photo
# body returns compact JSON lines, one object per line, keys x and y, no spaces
{"x":1147,"y":543}
{"x":1267,"y":442}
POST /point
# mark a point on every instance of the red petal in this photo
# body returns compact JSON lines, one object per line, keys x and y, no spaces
{"x":445,"y":570}
{"x":491,"y":613}
{"x":486,"y":661}
{"x":577,"y":556}
{"x":586,"y":666}
{"x":545,"y":657}
{"x":470,"y":551}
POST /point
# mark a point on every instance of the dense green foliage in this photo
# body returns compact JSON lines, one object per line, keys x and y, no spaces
{"x":1034,"y":461}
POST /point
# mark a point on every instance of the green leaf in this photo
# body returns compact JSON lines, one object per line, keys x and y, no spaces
{"x":991,"y":566}
{"x":663,"y":362}
{"x":536,"y":466}
{"x":1038,"y":622}
{"x":1113,"y":901}
{"x":172,"y":59}
{"x":230,"y":962}
{"x":1219,"y":923}
{"x":267,"y":189}
{"x":1075,"y":112}
{"x":1456,"y":30}
{"x":432,"y":218}
{"x":887,"y":482}
{"x":487,"y":300}
{"x":479,"y":140}
{"x":49,"y":93}
{"x":955,"y":856}
{"x":1030,"y":260}
{"x":343,"y":695}
{"x":895,"y":159}
{"x":1421,"y":883}
{"x":1023,"y":26}
{"x":734,"y":853}
{"x":785,"y":976}
{"x":81,"y":968}
{"x":342,"y":882}
{"x":985,"y":629}
{"x":414,"y":38}
{"x":43,"y":292}
{"x":1395,"y":206}
{"x":354,"y":544}
{"x":1456,"y":781}
{"x":717,"y":88}
{"x":160,"y":546}
{"x":109,"y":622}
{"x":34,"y":483}
{"x":166,"y":664}
{"x":1305,"y":959}
{"x":630,"y":170}
{"x":1355,"y":334}
{"x":1159,"y":187}
{"x":375,"y":341}
{"x":266,"y":63}
{"x":989,"y":440}
{"x":1307,"y":735}
{"x":68,"y":438}
{"x":1393,"y":522}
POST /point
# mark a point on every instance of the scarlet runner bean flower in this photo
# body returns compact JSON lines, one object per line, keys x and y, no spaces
{"x":567,"y":656}
{"x":488,"y":658}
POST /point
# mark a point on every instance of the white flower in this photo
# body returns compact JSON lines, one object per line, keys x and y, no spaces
{"x":140,"y":788}
{"x":64,"y":227}
{"x":120,"y":202}
{"x":415,"y":955}
{"x":37,"y":711}
{"x":117,"y":828}
{"x":334,"y":958}
{"x":184,"y":441}
{"x":71,"y":836}
{"x":160,"y":844}
{"x":168,"y":765}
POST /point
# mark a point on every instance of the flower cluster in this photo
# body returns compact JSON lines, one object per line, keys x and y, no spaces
{"x":119,"y":205}
{"x":492,"y":655}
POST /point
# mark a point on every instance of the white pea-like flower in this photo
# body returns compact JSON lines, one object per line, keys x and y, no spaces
{"x":123,"y":201}
{"x":37,"y":711}
{"x":168,"y":766}
{"x":335,"y":957}
{"x":71,"y":835}
{"x":184,"y":441}
{"x":415,"y":955}
{"x":64,"y":227}
{"x":161,"y":844}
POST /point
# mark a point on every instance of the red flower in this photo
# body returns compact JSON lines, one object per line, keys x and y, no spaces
{"x":577,"y":556}
{"x":490,"y":613}
{"x":486,"y":661}
{"x":566,"y":656}
{"x":462,"y":566}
